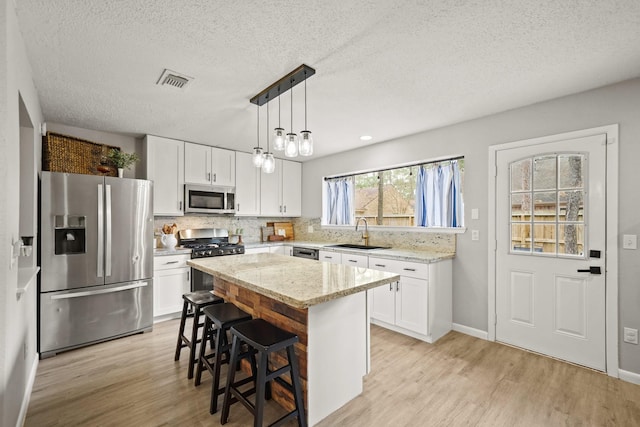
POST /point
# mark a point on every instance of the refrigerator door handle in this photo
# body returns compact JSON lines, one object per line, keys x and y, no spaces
{"x":99,"y":291}
{"x":108,"y":230}
{"x":100,"y":267}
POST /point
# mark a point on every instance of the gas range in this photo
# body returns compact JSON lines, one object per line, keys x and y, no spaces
{"x":199,"y":250}
{"x":208,"y":242}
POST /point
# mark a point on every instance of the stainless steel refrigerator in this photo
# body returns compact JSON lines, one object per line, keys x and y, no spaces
{"x":96,"y":259}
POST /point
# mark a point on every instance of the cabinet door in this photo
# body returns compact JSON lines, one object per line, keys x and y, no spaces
{"x":330,"y":256}
{"x":197,"y":164}
{"x":165,"y":167}
{"x":247,"y":186}
{"x":383,"y":304}
{"x":412,"y":303}
{"x":223,"y":167}
{"x":291,"y":188}
{"x":168,"y":288}
{"x":270,"y":192}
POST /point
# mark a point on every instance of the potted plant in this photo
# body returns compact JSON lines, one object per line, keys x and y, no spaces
{"x":122,"y":160}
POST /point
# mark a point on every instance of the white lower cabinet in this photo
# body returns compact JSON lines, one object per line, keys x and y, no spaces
{"x":277,"y":250}
{"x":419,"y":304}
{"x":330,"y":256}
{"x":171,"y":279}
{"x":258,"y":250}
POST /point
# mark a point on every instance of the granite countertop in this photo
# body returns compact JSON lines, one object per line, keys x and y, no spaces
{"x":413,"y":255}
{"x":297,"y":282}
{"x":165,"y":251}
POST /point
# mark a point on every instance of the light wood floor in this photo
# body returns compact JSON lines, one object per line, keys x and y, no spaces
{"x":459,"y":381}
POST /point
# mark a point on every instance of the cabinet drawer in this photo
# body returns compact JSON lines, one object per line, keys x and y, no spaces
{"x":404,"y":268}
{"x":355,"y":260}
{"x":165,"y":262}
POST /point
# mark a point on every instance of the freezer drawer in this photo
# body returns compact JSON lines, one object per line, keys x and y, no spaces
{"x":70,"y":319}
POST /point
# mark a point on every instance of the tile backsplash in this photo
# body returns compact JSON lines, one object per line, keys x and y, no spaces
{"x":439,"y":242}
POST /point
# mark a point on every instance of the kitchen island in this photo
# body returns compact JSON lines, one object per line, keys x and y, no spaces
{"x":324,"y":304}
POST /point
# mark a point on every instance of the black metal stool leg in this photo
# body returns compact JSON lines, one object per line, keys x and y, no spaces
{"x":296,"y":385}
{"x":215,"y":387}
{"x":183,"y":320}
{"x":194,"y":340}
{"x":231,"y":374}
{"x":207,"y":332}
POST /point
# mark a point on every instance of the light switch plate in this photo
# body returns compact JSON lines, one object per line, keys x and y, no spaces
{"x":630,"y":241}
{"x":475,"y":234}
{"x":474,"y":213}
{"x":631,"y":335}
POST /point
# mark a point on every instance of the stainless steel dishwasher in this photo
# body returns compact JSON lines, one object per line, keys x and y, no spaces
{"x":306,"y":253}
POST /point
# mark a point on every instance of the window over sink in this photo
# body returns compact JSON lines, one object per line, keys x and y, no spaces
{"x":421,"y":195}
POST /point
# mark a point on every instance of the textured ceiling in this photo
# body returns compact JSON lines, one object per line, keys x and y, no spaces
{"x":384,"y":68}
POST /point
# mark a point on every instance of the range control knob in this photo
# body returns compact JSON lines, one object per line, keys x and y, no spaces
{"x":208,"y":253}
{"x":221,"y":251}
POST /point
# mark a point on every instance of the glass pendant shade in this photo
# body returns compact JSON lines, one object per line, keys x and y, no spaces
{"x":291,"y":145}
{"x":306,"y":143}
{"x":278,"y":139}
{"x":257,"y":157}
{"x":268,"y":163}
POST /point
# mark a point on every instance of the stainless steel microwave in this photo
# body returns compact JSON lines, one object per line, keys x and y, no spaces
{"x":208,"y":199}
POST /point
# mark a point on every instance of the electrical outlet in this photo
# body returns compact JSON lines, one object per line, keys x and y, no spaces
{"x":629,"y":241}
{"x":631,"y":335}
{"x":310,"y":229}
{"x":475,"y":234}
{"x":474,"y":213}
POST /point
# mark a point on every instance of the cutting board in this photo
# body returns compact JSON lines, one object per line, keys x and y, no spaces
{"x":282,"y":227}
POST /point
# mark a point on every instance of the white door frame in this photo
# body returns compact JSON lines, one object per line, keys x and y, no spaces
{"x":611,"y":268}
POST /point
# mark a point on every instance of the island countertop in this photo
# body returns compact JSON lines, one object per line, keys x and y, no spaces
{"x":297,"y":282}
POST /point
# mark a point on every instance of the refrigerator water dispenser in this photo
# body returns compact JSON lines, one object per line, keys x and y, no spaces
{"x":70,"y":235}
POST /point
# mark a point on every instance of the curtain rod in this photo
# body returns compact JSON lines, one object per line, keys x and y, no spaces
{"x":408,"y":165}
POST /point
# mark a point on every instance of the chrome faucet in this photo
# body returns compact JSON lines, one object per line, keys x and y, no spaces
{"x":365,"y":233}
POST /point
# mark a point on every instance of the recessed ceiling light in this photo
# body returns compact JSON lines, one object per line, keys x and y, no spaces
{"x":366,"y":138}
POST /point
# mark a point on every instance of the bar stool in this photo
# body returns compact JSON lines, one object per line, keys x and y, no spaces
{"x":223,"y":317}
{"x":196,"y":300}
{"x":264,"y":338}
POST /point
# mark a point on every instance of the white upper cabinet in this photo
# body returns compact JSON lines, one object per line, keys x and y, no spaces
{"x":291,"y":188}
{"x":165,"y":167}
{"x":209,"y":165}
{"x":281,"y":191}
{"x":247,"y":186}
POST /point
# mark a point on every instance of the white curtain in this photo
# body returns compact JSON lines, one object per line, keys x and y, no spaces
{"x":438,"y":196}
{"x":339,"y":201}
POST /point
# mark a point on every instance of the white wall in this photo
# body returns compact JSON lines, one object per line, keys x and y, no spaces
{"x":17,"y":315}
{"x":619,"y":103}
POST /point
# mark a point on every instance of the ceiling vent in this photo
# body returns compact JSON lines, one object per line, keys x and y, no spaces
{"x":176,"y":80}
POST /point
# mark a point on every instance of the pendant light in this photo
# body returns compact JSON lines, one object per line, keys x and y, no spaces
{"x":306,"y":140}
{"x":278,"y":133}
{"x":291,"y":143}
{"x":268,"y":162}
{"x":257,"y":151}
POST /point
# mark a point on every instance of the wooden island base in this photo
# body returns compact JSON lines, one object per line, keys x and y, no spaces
{"x":281,"y":315}
{"x":333,"y":351}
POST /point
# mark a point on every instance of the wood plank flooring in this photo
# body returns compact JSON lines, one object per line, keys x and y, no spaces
{"x":459,"y":381}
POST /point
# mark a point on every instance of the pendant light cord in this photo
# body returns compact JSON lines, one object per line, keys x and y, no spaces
{"x":258,"y":110}
{"x":267,"y":125}
{"x":279,"y":107}
{"x":305,"y":101}
{"x":292,"y":80}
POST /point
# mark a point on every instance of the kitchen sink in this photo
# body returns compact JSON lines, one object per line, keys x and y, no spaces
{"x":354,"y":246}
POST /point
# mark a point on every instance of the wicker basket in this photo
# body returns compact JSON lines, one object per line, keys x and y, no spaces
{"x":62,"y":153}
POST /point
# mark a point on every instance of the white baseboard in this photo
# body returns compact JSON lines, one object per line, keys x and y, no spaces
{"x":27,"y":393}
{"x":470,"y":331}
{"x":628,"y":376}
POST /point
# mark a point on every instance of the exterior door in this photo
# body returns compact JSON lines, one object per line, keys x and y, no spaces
{"x":550,"y":252}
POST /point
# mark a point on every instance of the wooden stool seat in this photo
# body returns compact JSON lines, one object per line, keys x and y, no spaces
{"x":223,"y":317}
{"x":264,"y":338}
{"x":197,"y":301}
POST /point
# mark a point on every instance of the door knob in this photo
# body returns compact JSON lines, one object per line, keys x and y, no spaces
{"x":592,"y":270}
